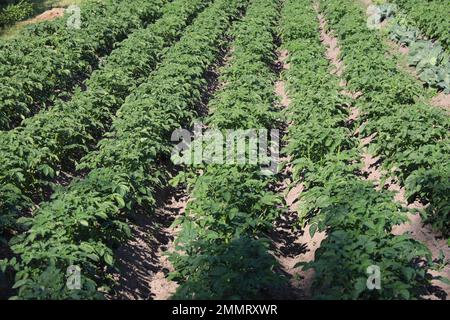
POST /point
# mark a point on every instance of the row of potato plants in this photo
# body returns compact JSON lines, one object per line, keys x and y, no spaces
{"x":431,"y":17}
{"x":326,"y":156}
{"x":84,"y":222}
{"x":42,"y":65}
{"x":221,"y":249}
{"x":35,"y":154}
{"x":410,"y":137}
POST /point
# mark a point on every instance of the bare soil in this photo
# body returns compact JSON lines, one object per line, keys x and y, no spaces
{"x":50,"y":14}
{"x":46,"y":16}
{"x":333,"y":52}
{"x":441,"y":100}
{"x":366,"y":3}
{"x":143,"y":262}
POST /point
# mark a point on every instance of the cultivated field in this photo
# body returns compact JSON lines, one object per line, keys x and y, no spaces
{"x":227,"y":149}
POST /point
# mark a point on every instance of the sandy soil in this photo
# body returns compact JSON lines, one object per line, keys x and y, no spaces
{"x":366,"y":3}
{"x":332,"y":49}
{"x":143,"y":262}
{"x":46,"y":16}
{"x":333,"y":54}
{"x":441,"y":100}
{"x":50,"y":14}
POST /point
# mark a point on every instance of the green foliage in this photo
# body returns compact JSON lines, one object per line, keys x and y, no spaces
{"x":240,"y":269}
{"x":402,"y":34}
{"x":84,"y":222}
{"x":342,"y":260}
{"x":15,"y":12}
{"x":55,"y":140}
{"x":432,"y":64}
{"x":357,"y":218}
{"x":228,"y":198}
{"x":223,"y":254}
{"x":427,"y":56}
{"x":408,"y":135}
{"x":424,"y":55}
{"x":431,"y":185}
{"x":51,"y":284}
{"x":431,"y":17}
{"x":49,"y":59}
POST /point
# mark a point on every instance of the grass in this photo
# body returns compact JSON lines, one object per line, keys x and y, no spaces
{"x":39,"y":6}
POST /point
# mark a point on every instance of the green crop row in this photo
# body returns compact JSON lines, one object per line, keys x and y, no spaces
{"x":53,"y":141}
{"x":48,"y":60}
{"x":357,"y":218}
{"x":222,"y":250}
{"x":411,"y":137}
{"x":84,"y":222}
{"x":431,"y":17}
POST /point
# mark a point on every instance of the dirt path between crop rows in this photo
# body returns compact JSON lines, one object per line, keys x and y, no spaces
{"x":372,"y":171}
{"x":143,"y":261}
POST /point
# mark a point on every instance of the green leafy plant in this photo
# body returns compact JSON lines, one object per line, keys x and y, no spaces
{"x":429,"y":58}
{"x":223,"y":254}
{"x":48,"y":60}
{"x":84,"y":221}
{"x":52,"y":142}
{"x":240,"y":269}
{"x":357,"y":218}
{"x":431,"y":17}
{"x":15,"y":12}
{"x":408,"y":135}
